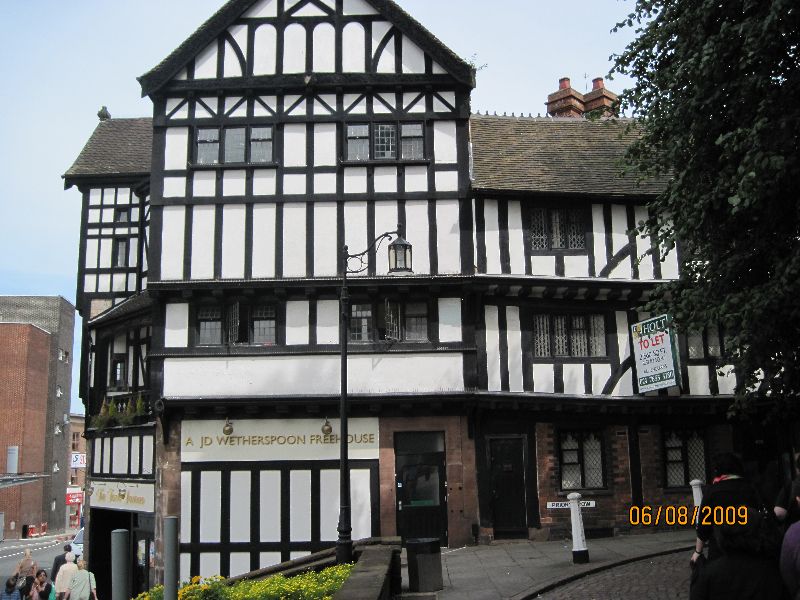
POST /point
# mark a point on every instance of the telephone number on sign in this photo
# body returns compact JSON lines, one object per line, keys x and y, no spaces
{"x":686,"y":515}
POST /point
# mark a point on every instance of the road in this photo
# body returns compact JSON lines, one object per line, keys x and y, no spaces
{"x":43,"y":552}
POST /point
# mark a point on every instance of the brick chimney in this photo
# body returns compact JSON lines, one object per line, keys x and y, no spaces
{"x":566,"y":102}
{"x":600,"y":99}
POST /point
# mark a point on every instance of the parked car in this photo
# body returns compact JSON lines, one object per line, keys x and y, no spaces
{"x":77,"y":543}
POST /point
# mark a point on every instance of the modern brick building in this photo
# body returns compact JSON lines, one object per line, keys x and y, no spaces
{"x":76,"y":459}
{"x":55,"y":318}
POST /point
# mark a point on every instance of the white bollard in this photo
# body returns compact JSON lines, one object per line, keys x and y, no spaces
{"x":697,"y":494}
{"x":580,"y":553}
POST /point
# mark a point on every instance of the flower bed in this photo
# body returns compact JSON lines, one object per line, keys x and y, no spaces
{"x":307,"y":586}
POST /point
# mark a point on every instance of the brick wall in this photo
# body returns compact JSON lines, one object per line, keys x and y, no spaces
{"x":24,"y":368}
{"x":462,"y":501}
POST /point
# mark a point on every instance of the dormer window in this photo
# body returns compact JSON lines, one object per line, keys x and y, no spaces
{"x":234,"y":145}
{"x":557,"y":230}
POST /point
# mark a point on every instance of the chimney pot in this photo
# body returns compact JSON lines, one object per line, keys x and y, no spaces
{"x":563,"y":83}
{"x":597,"y":83}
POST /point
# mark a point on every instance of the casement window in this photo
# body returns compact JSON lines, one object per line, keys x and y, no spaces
{"x":237,"y":323}
{"x":264,"y":325}
{"x":209,"y":326}
{"x":76,"y":441}
{"x":684,"y":457}
{"x":119,"y":252}
{"x":385,"y":141}
{"x":557,"y":230}
{"x":122,"y":215}
{"x":393,"y":322}
{"x":361,"y":323}
{"x":234,"y":145}
{"x":581,"y":460}
{"x":118,"y":379}
{"x":706,"y":344}
{"x":569,"y":335}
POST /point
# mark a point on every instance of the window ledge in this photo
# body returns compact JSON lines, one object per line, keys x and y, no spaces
{"x":373,"y":162}
{"x":204,"y":167}
{"x":560,"y":252}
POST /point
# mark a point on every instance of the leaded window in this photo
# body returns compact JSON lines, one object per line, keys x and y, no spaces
{"x":385,"y":141}
{"x":684,"y":457}
{"x":240,"y":145}
{"x":557,"y":229}
{"x":412,"y":142}
{"x":209,"y":326}
{"x":264,"y":325}
{"x":235,"y":144}
{"x":707,"y":344}
{"x":581,"y":460}
{"x":207,"y":146}
{"x":261,"y":144}
{"x":358,"y":142}
{"x":119,"y":252}
{"x":416,"y":322}
{"x":361,"y":323}
{"x":381,"y":141}
{"x":569,"y":335}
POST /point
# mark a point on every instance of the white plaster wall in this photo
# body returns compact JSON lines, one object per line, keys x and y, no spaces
{"x":265,"y":47}
{"x":601,"y":373}
{"x":233,"y":182}
{"x":176,"y":326}
{"x":92,"y":247}
{"x":240,"y":509}
{"x":642,"y":246}
{"x":204,"y":184}
{"x":726,"y":383}
{"x":324,"y":144}
{"x":417,"y":234}
{"x":450,"y":320}
{"x":202,"y":262}
{"x":327,"y":322}
{"x":619,"y":239}
{"x":294,"y":147}
{"x":294,"y":239}
{"x":413,"y":57}
{"x":120,"y":464}
{"x":325,"y":250}
{"x":324,"y":48}
{"x":300,"y":506}
{"x":699,"y":384}
{"x":174,"y":187}
{"x":448,"y":236}
{"x":186,"y":505}
{"x":205,"y":63}
{"x":573,"y":379}
{"x":576,"y":266}
{"x":270,"y":517}
{"x":492,"y":236}
{"x":444,"y":142}
{"x":385,"y":179}
{"x":210,"y":506}
{"x":172,"y":232}
{"x":136,"y":442}
{"x":294,"y":49}
{"x":296,"y":322}
{"x":353,"y":48}
{"x":355,"y":229}
{"x":176,"y":148}
{"x":493,"y":348}
{"x":598,"y":237}
{"x":516,"y":238}
{"x":543,"y":265}
{"x":233,"y":226}
{"x":385,"y":220}
{"x":514,"y":342}
{"x":543,"y":378}
{"x":231,"y":67}
{"x":263,"y":240}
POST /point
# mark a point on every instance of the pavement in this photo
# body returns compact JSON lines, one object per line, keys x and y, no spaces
{"x":520,"y":570}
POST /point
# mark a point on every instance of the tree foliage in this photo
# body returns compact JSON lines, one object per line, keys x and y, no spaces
{"x":717,"y":101}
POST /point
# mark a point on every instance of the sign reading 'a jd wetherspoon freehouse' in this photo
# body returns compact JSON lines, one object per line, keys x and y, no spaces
{"x":655,"y":354}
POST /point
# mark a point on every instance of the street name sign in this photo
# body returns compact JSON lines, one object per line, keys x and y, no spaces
{"x":565,"y":504}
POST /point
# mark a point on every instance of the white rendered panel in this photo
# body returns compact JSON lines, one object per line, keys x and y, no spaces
{"x":353,"y":48}
{"x":233,"y":182}
{"x":619,"y":239}
{"x":516,"y":238}
{"x":669,"y":266}
{"x":642,"y":246}
{"x":726,"y":383}
{"x":136,"y":443}
{"x":91,"y":253}
{"x":270,"y":514}
{"x":296,"y":322}
{"x":417,"y":234}
{"x":300,"y":506}
{"x":294,"y":239}
{"x":573,"y":379}
{"x":263,"y":240}
{"x":94,"y":216}
{"x":385,"y":220}
{"x":282,"y":375}
{"x":355,"y":103}
{"x":176,"y":148}
{"x":105,"y":253}
{"x":240,"y":507}
{"x":357,"y":7}
{"x":210,"y":506}
{"x":543,"y":265}
{"x":446,"y":181}
{"x":492,"y":237}
{"x":416,"y":179}
{"x":176,"y":325}
{"x":89,"y":284}
{"x":625,"y":385}
{"x":327,"y":322}
{"x":239,"y":563}
{"x":699,"y":384}
{"x":147,"y":454}
{"x":262,"y":9}
{"x":239,"y":35}
{"x":233,"y":224}
{"x":543,"y":378}
{"x":414,"y":102}
{"x":120,"y":464}
{"x":386,"y":62}
{"x":231,"y":67}
{"x":205,"y":63}
{"x":294,"y":183}
{"x":174,"y":187}
{"x":204,"y":184}
{"x":265,"y":45}
{"x":599,"y":237}
{"x":324,"y":144}
{"x":203,"y":226}
{"x":601,"y":373}
{"x":95,"y":196}
{"x":325,"y":239}
{"x":355,"y":227}
{"x":294,"y":49}
{"x":106,"y":455}
{"x":325,"y":183}
{"x":355,"y":180}
{"x":103,"y":283}
{"x":514,"y":341}
{"x":294,"y":145}
{"x":264,"y":182}
{"x":172,"y":231}
{"x":448,"y":234}
{"x":96,"y":455}
{"x":329,"y":511}
{"x":385,"y":179}
{"x":379,"y":31}
{"x":576,"y":266}
{"x":186,"y":506}
{"x":413,"y":57}
{"x":267,"y":559}
{"x":209,"y":564}
{"x":185,"y":566}
{"x":444,"y":142}
{"x":360,"y":502}
{"x":450,"y":319}
{"x":493,"y":348}
{"x":324,"y":48}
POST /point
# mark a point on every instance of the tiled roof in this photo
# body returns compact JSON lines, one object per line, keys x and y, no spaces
{"x":117,"y":147}
{"x":554,"y":155}
{"x":127,"y":307}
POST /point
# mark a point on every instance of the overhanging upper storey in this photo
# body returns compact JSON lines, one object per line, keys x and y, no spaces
{"x":294,"y":44}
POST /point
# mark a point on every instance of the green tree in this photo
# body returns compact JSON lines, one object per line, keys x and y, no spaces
{"x":717,"y":102}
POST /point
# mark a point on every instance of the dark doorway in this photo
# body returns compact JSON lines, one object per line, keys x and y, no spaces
{"x":143,"y":554}
{"x":421,"y":483}
{"x":507,"y":470}
{"x":101,"y":523}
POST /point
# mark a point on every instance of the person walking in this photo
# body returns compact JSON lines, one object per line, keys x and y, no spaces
{"x":40,"y":590}
{"x":26,"y":569}
{"x":59,"y":561}
{"x":790,"y":551}
{"x":82,"y":586}
{"x":65,"y":575}
{"x":10,"y":592}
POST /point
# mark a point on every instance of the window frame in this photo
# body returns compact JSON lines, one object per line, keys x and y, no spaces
{"x":115,"y":252}
{"x":198,"y":320}
{"x":378,"y":311}
{"x":580,"y":434}
{"x":683,"y":434}
{"x":398,"y":141}
{"x":569,"y":357}
{"x":704,"y":336}
{"x":586,"y":218}
{"x":222,"y":139}
{"x":115,"y":383}
{"x":245,"y":322}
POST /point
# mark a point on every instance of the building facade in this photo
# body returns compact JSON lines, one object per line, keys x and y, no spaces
{"x":55,"y":316}
{"x":77,"y":470}
{"x":484,"y":387}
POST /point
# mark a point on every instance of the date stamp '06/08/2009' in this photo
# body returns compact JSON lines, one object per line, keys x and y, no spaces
{"x":672,"y":514}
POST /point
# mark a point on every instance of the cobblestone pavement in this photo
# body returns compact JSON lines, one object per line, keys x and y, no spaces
{"x":660,"y":578}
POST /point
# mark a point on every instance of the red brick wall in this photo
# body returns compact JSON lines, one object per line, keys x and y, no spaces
{"x":24,"y":367}
{"x":462,"y":501}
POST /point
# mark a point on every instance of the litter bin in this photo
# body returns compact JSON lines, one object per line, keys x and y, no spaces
{"x":424,"y":564}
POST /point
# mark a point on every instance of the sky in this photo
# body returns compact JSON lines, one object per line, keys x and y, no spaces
{"x":62,"y":61}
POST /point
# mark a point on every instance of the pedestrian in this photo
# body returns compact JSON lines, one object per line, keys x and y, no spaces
{"x":10,"y":592}
{"x":65,"y":574}
{"x":59,"y":561}
{"x":728,"y":488}
{"x":787,"y":509}
{"x":82,"y":586}
{"x":41,"y":586}
{"x":26,"y":569}
{"x":790,"y":551}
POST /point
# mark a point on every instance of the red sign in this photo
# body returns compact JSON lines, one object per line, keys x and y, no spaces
{"x":74,"y":498}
